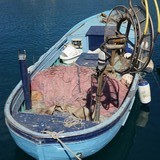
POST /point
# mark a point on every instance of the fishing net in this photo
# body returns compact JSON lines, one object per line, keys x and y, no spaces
{"x":73,"y":89}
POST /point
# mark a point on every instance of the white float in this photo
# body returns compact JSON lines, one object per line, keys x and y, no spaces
{"x":144,"y":92}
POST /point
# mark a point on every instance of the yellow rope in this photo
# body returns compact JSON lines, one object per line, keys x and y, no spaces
{"x":147,"y":17}
{"x":158,"y":14}
{"x":55,"y":135}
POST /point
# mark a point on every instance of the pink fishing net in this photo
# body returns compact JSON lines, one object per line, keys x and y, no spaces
{"x":63,"y":85}
{"x":73,"y":89}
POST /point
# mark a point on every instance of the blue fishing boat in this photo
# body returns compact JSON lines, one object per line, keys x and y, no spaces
{"x":76,"y":97}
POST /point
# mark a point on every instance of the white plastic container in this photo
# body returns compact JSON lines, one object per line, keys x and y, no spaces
{"x":69,"y":51}
{"x":144,"y":92}
{"x":70,"y":54}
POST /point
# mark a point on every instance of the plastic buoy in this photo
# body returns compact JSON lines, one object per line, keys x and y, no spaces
{"x":101,"y":60}
{"x":144,"y":92}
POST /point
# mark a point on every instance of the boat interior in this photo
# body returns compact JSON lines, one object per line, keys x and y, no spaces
{"x":93,"y":67}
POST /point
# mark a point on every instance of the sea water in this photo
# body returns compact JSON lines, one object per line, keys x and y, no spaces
{"x":35,"y":25}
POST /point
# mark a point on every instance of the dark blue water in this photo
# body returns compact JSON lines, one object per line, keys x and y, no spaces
{"x":35,"y":25}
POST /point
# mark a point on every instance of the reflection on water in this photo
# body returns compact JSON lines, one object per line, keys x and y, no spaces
{"x":143,"y":115}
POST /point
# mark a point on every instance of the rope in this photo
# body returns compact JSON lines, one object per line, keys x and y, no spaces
{"x":73,"y":121}
{"x":145,"y":2}
{"x":158,"y":18}
{"x":158,"y":15}
{"x":55,"y":135}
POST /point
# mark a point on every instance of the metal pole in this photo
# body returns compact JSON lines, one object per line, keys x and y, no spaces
{"x":25,"y":79}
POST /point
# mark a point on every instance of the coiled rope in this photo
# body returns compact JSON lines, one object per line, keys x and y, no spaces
{"x":55,"y":135}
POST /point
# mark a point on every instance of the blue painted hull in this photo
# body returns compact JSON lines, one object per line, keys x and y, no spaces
{"x":54,"y":151}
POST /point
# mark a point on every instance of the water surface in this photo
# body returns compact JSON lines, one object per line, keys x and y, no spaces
{"x":35,"y":25}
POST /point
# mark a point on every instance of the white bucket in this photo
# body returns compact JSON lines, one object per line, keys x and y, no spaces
{"x":144,"y":92}
{"x":70,"y":54}
{"x":70,"y":51}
